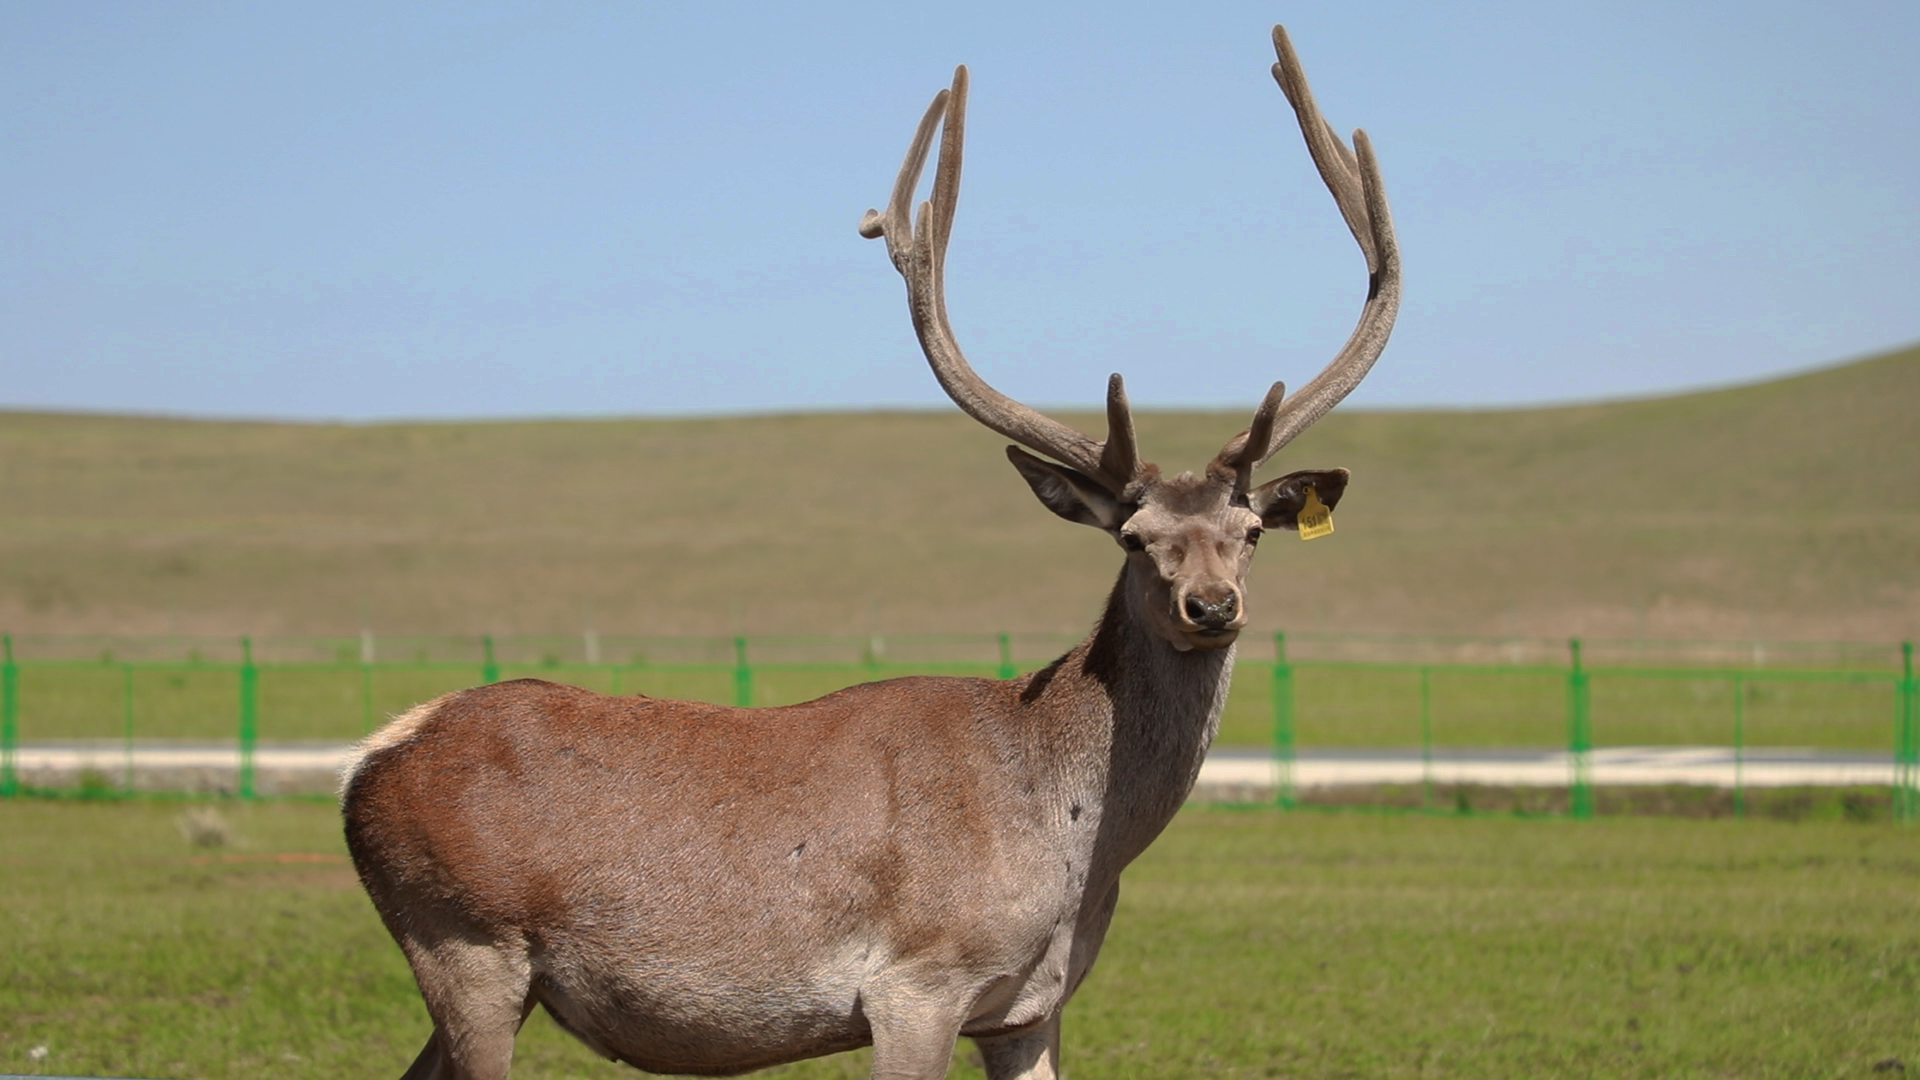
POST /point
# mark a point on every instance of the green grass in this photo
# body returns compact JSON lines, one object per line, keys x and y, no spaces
{"x":1248,"y":943}
{"x":1788,"y":510}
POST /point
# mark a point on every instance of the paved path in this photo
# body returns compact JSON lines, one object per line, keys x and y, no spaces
{"x":1709,"y":766}
{"x":312,"y":766}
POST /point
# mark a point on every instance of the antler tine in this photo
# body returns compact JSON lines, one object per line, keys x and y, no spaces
{"x":919,"y":252}
{"x":895,"y":225}
{"x":1235,"y":460}
{"x":1335,"y":161}
{"x":1120,"y":457}
{"x":1353,"y":177}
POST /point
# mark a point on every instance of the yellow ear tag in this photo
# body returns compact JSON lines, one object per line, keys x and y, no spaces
{"x":1315,"y":519}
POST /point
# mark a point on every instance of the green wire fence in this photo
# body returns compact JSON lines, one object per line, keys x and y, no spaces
{"x":119,"y":702}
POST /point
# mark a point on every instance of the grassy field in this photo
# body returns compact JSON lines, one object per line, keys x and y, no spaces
{"x":1248,"y":943}
{"x":1789,"y":509}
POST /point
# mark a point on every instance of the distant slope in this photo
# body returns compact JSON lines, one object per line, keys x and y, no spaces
{"x":1789,"y":508}
{"x":1784,"y":509}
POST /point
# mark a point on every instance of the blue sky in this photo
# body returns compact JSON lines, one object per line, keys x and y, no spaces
{"x":371,"y":211}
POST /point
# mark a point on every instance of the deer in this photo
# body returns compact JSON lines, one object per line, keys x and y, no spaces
{"x":701,"y":889}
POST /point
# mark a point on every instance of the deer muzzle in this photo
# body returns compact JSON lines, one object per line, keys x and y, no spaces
{"x":1211,"y":621}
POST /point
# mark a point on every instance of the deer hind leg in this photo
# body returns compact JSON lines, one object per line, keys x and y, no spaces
{"x":478,"y":993}
{"x":432,"y":1064}
{"x":1033,"y":1054}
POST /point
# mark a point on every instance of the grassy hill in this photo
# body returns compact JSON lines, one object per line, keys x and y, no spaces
{"x":1789,"y":509}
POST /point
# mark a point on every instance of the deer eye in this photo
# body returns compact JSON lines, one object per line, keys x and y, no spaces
{"x":1132,"y":542}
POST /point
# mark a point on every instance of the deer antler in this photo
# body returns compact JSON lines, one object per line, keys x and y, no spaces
{"x":1353,"y":176}
{"x":919,"y":252}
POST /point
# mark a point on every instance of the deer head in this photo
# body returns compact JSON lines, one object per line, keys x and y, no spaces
{"x":1189,"y":539}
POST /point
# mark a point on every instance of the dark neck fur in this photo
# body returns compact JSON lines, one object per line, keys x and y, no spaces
{"x":1158,"y":709}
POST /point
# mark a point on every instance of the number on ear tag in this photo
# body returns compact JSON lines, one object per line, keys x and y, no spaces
{"x":1315,"y":519}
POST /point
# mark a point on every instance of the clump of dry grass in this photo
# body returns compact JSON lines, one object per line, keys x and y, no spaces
{"x":205,"y":827}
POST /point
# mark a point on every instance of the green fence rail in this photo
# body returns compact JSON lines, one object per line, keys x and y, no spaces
{"x":122,"y":699}
{"x":1492,"y":694}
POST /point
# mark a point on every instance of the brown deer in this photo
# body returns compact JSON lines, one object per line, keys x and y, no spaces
{"x":692,"y":888}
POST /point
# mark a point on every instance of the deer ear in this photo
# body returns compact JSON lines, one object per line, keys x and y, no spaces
{"x":1279,"y":502}
{"x":1072,"y":494}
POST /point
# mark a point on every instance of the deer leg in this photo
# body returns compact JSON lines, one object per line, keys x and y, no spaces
{"x":432,"y":1064}
{"x":478,"y":994}
{"x":917,"y":1053}
{"x":1033,"y":1054}
{"x":914,"y":1030}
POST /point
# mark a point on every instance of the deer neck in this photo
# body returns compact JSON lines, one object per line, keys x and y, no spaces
{"x":1147,"y":714}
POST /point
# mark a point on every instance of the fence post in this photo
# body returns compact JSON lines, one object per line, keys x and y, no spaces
{"x":1906,"y":769}
{"x":1579,"y":737}
{"x":1426,"y":735}
{"x":9,"y":717}
{"x":366,"y":681}
{"x":1739,"y":744}
{"x":1006,"y":656}
{"x":742,"y":674}
{"x":1284,"y":791}
{"x":249,"y":716}
{"x":126,"y":721}
{"x":489,"y":667}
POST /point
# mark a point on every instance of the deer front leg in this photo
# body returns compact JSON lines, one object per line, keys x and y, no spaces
{"x":915,"y":1021}
{"x":1033,"y":1054}
{"x":911,"y":1051}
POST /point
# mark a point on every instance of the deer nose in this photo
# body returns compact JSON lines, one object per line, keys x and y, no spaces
{"x":1212,"y":616}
